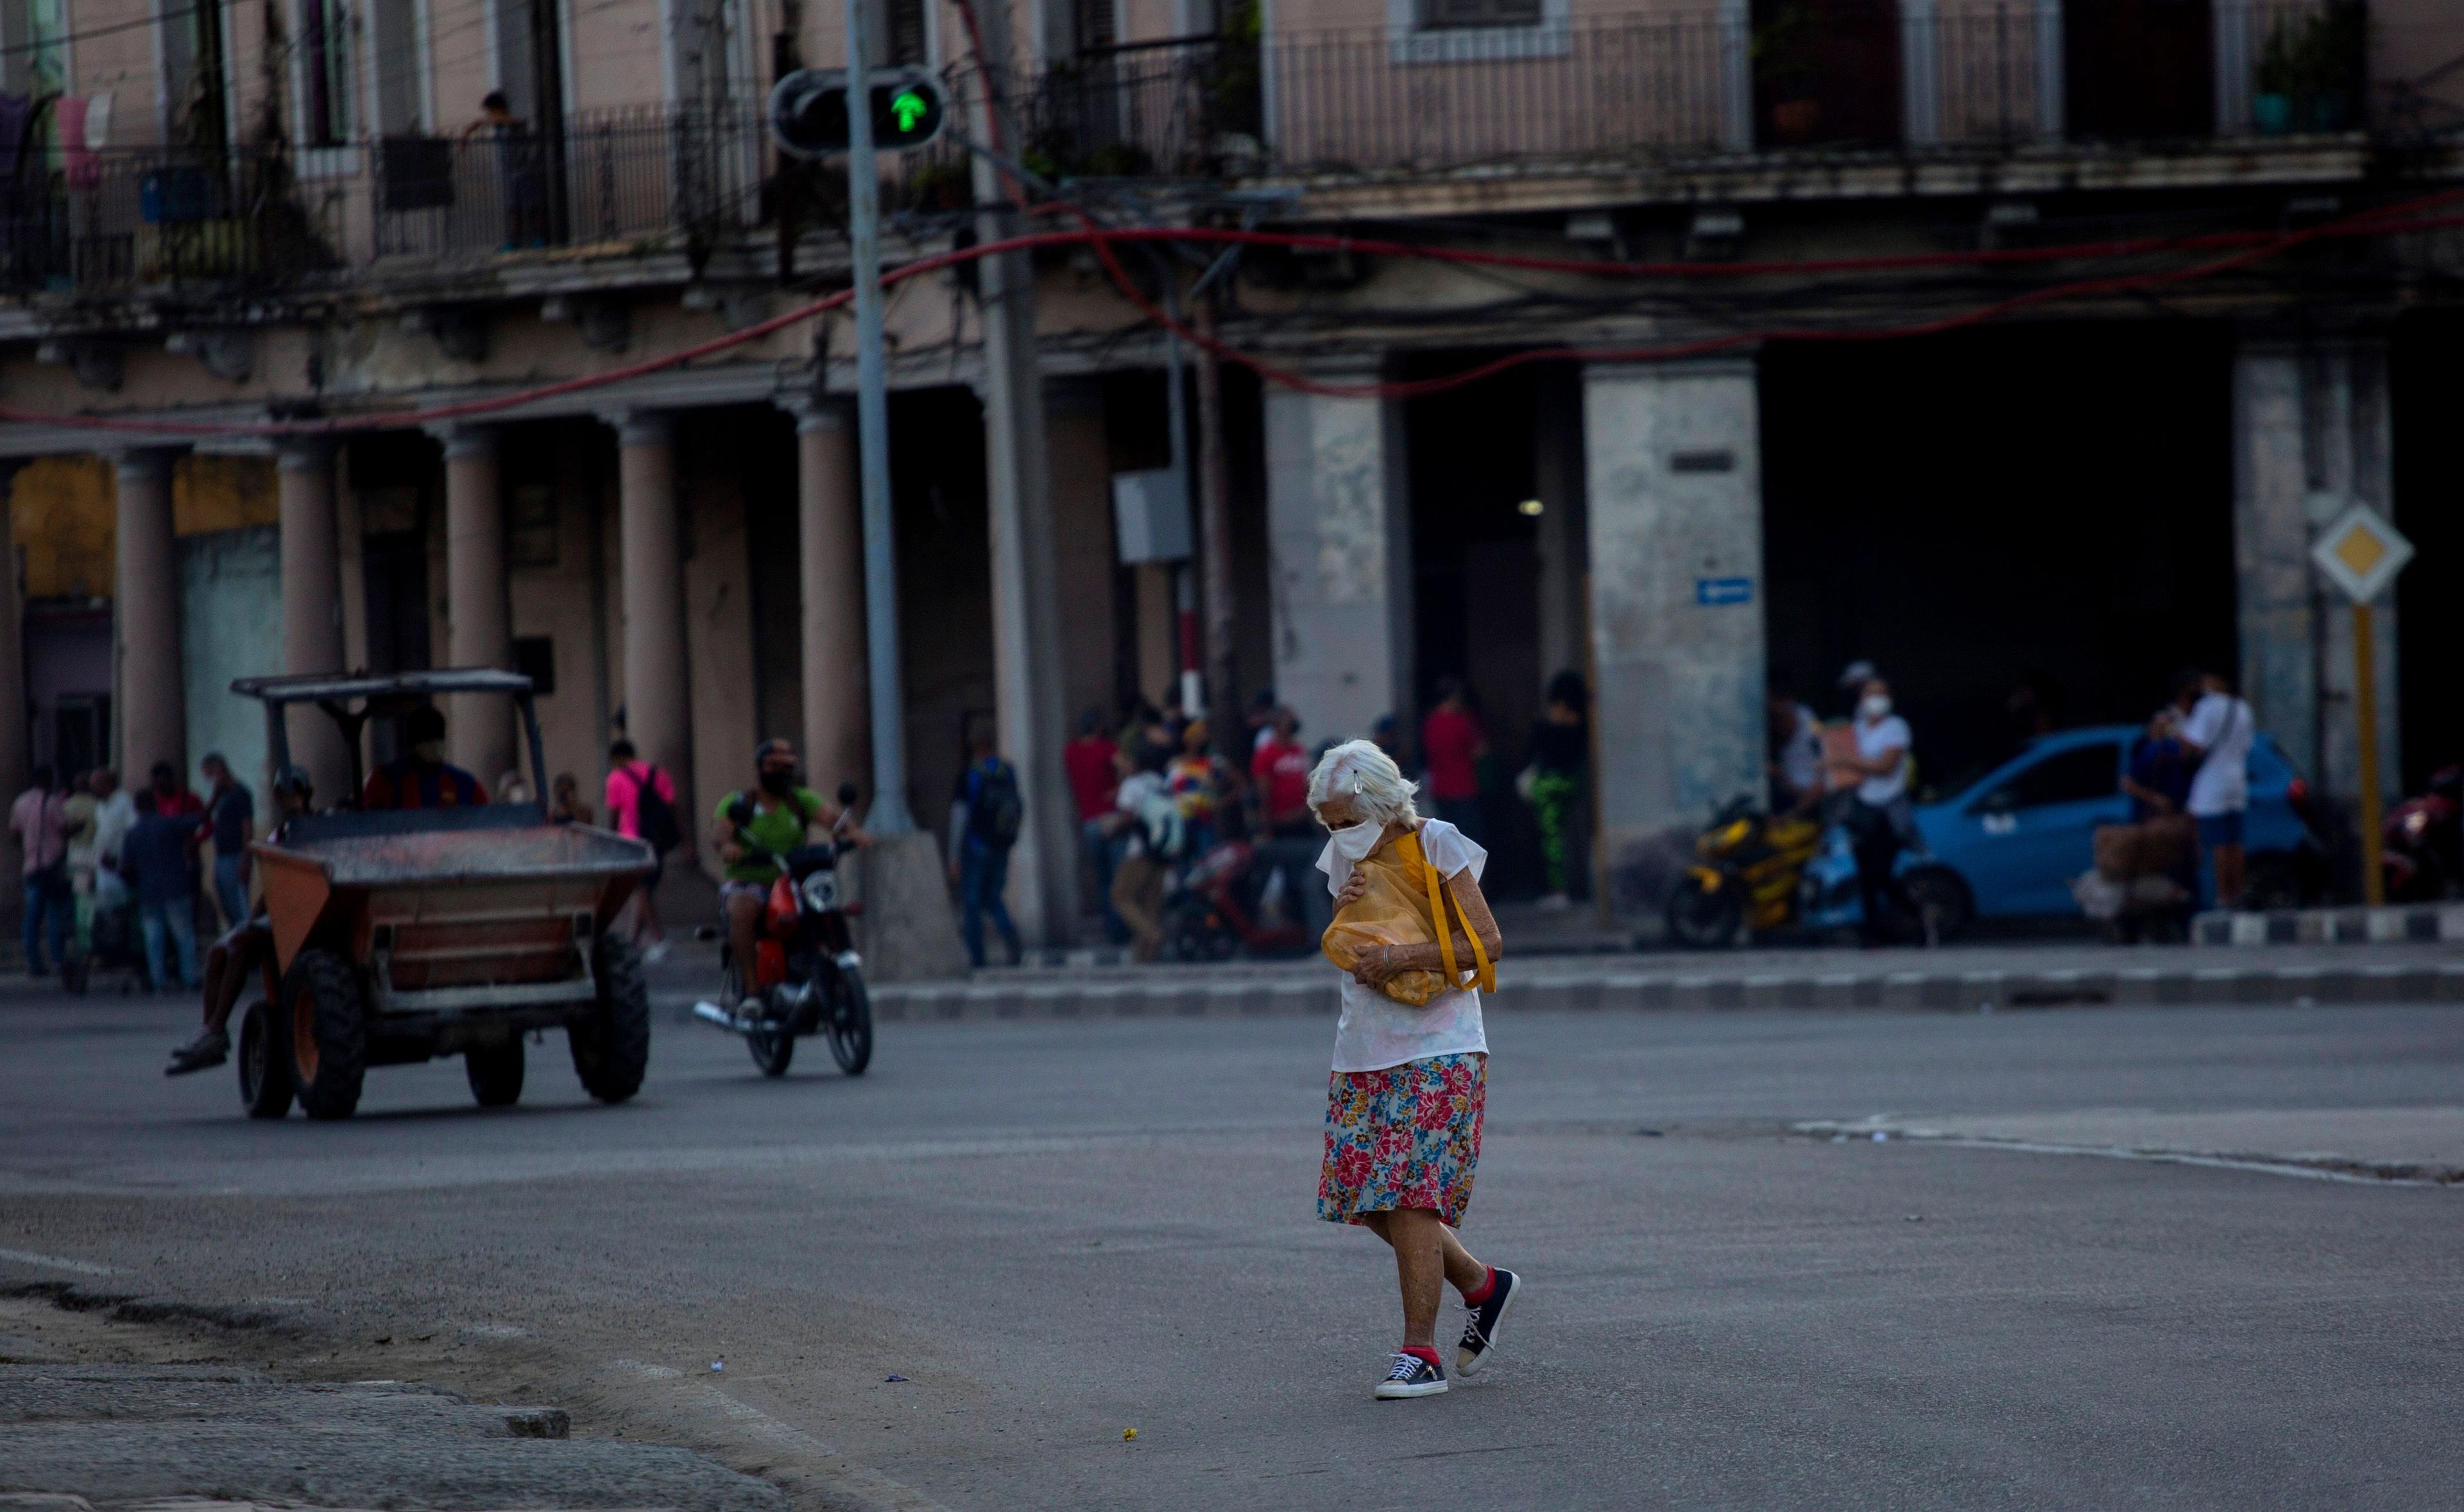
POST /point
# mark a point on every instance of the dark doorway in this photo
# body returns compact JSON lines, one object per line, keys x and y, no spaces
{"x":1826,"y":73}
{"x":2139,"y":68}
{"x":945,"y":584}
{"x":1476,"y":586}
{"x":2041,"y":509}
{"x":2427,"y":392}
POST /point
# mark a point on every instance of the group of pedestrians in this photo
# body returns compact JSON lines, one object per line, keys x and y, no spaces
{"x":1152,"y":792}
{"x":94,"y":852}
{"x":1156,"y":788}
{"x":2193,"y":761}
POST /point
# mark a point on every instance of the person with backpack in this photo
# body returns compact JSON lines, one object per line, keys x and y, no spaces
{"x":756,"y":826}
{"x":642,"y":803}
{"x":986,"y":812}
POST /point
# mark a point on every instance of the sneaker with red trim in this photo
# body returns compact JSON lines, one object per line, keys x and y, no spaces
{"x":1480,"y":1324}
{"x":1412,"y":1376}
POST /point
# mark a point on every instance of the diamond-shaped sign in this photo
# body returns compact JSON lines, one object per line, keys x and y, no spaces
{"x":2361,"y":553}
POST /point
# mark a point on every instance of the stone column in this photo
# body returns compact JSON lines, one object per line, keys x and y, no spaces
{"x":312,"y":605}
{"x":1340,"y":544}
{"x":15,"y":748}
{"x":152,"y":706}
{"x":1557,"y":482}
{"x":1027,"y":646}
{"x":837,"y":690}
{"x":1674,"y":479}
{"x":658,"y":702}
{"x":479,"y":734}
{"x":2311,"y":439}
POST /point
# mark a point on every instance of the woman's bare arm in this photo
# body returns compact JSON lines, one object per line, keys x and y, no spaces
{"x":1377,"y":966}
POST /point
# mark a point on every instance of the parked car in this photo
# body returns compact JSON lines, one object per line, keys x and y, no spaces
{"x":2007,"y":844}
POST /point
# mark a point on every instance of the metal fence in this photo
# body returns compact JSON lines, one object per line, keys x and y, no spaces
{"x":1186,"y":107}
{"x":1811,"y":74}
{"x":1786,"y":76}
{"x":597,"y":179}
{"x":114,"y":220}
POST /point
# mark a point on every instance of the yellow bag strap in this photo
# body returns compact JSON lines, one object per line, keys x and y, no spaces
{"x":1484,"y":974}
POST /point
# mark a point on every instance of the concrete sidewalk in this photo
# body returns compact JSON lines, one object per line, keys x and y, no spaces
{"x":1956,"y":979}
{"x":85,"y":1434}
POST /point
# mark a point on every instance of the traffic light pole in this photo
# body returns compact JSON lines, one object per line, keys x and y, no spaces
{"x":889,"y":815}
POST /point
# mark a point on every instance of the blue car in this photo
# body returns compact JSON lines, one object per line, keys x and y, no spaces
{"x":2007,"y":844}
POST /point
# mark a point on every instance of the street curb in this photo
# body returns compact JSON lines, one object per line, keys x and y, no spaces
{"x":2418,"y":923}
{"x":2185,"y":986}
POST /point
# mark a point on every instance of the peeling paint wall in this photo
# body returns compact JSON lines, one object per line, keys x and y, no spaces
{"x":2311,"y":439}
{"x":230,"y":626}
{"x":1341,"y":552}
{"x":1675,"y":504}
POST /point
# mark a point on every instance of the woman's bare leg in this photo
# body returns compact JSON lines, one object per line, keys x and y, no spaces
{"x":1464,"y":1272}
{"x":1427,"y":1256}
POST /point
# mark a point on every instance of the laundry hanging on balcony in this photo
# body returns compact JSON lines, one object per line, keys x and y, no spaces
{"x":80,"y":126}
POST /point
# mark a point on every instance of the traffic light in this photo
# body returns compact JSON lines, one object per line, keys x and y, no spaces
{"x":808,"y":111}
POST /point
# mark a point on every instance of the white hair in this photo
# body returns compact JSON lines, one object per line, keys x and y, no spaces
{"x":1362,"y":771}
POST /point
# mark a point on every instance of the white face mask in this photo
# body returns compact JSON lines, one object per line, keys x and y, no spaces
{"x":1874,"y":707}
{"x":1354,"y":842}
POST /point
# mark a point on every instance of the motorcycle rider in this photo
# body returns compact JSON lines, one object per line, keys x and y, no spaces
{"x":752,"y":829}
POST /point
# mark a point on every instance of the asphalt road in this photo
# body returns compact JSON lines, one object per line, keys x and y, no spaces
{"x":1055,"y":1232}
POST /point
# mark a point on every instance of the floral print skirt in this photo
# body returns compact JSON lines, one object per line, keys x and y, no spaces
{"x":1404,"y":1137}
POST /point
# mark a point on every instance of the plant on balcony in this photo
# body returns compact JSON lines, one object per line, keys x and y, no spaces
{"x":1787,"y":52}
{"x":2309,"y":70}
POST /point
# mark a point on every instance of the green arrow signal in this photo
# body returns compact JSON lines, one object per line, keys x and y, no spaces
{"x":906,"y":108}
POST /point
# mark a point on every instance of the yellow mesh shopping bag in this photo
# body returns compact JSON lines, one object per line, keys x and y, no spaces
{"x":1405,"y":904}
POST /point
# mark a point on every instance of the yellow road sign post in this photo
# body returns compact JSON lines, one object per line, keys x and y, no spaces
{"x":2362,"y":553}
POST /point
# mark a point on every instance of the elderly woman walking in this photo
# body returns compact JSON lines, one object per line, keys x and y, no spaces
{"x":1403,"y":1106}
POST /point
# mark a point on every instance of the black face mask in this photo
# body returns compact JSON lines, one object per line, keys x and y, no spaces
{"x":777,"y":784}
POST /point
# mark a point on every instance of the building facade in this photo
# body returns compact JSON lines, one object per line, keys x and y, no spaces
{"x":311,"y":357}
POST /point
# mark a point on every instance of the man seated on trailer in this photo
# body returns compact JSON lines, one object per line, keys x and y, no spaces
{"x":422,"y":778}
{"x":241,"y":953}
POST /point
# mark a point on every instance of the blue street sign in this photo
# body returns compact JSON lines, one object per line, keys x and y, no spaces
{"x":1713,"y":591}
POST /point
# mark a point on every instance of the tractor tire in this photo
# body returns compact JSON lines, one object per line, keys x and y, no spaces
{"x":264,"y":1063}
{"x":495,"y":1072}
{"x":611,"y":1042}
{"x":329,"y":1033}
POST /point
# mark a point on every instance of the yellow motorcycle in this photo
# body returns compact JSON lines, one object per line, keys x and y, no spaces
{"x":1745,"y":876}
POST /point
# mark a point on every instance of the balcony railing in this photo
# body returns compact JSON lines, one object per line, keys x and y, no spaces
{"x":593,"y":180}
{"x":1788,"y":77}
{"x":1812,"y":74}
{"x":1183,"y":108}
{"x":110,"y":221}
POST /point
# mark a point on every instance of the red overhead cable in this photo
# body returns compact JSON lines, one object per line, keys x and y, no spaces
{"x":2252,"y":247}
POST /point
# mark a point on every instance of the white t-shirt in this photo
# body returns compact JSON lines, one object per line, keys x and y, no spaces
{"x":1145,"y":798}
{"x":1887,"y":733}
{"x":2224,"y":727}
{"x":1800,"y":752}
{"x":113,"y":818}
{"x":1376,"y":1031}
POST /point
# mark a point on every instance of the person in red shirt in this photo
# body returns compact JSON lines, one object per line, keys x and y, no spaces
{"x":172,"y":799}
{"x":1093,"y":781}
{"x":421,"y":778}
{"x":1452,"y":744}
{"x":1281,"y":768}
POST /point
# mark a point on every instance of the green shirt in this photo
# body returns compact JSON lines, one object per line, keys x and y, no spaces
{"x":774,"y":828}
